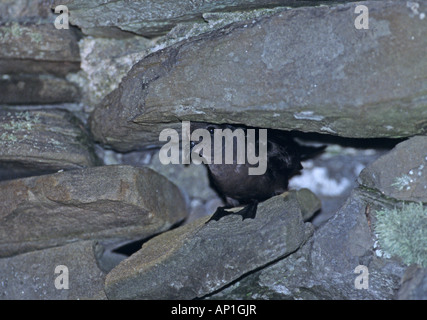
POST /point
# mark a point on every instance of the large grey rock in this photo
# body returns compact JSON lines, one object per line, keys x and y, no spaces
{"x":33,"y":275}
{"x":31,"y":89}
{"x":399,"y":178}
{"x":36,"y":140}
{"x":119,"y":202}
{"x":281,"y":72}
{"x":37,"y":48}
{"x":199,"y":258}
{"x":105,"y":61}
{"x":402,"y":173}
{"x":325,"y":267}
{"x":414,"y":284}
{"x":150,"y":17}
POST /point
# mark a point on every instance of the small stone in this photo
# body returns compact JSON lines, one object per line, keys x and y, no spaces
{"x":280,"y":57}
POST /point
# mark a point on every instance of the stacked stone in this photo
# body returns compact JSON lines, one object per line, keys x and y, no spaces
{"x":81,"y":110}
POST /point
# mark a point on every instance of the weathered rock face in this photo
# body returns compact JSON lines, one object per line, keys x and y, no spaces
{"x":37,"y":49}
{"x":414,"y":284}
{"x":402,"y":173}
{"x":324,"y":268}
{"x":105,"y":62}
{"x":199,"y":258}
{"x":304,"y":67}
{"x":96,"y":203}
{"x":150,"y":18}
{"x":24,"y":11}
{"x":280,"y":72}
{"x":42,"y":140}
{"x":30,"y":89}
{"x":33,"y":275}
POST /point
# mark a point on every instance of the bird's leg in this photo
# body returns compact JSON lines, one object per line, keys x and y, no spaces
{"x":249,"y":211}
{"x":219,"y":213}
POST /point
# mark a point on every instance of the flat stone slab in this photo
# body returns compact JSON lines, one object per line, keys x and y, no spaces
{"x":281,"y":72}
{"x":199,"y":258}
{"x":120,"y":202}
{"x":37,"y":48}
{"x":150,"y":17}
{"x":36,"y":140}
{"x":41,"y":275}
{"x":31,"y":89}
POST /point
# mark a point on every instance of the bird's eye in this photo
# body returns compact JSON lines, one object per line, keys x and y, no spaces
{"x":211,"y":130}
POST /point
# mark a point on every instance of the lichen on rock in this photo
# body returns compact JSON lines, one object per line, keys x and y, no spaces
{"x":403,"y":232}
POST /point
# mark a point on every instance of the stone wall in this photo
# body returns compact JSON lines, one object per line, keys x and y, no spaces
{"x":82,"y":187}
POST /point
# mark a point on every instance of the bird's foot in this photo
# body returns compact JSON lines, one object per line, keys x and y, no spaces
{"x":249,"y":211}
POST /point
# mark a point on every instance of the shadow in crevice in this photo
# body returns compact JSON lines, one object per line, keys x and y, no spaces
{"x":131,"y":247}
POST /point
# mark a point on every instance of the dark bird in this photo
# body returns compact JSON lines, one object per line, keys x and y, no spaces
{"x":233,"y":181}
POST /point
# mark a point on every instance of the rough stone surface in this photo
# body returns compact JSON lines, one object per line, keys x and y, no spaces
{"x":402,"y":173}
{"x":324,"y":268}
{"x":105,"y":62}
{"x":191,"y":179}
{"x":199,"y":258}
{"x":414,"y":284}
{"x":194,"y":182}
{"x":31,"y":276}
{"x":118,"y":202}
{"x":286,"y":64}
{"x":150,"y":18}
{"x":37,"y":48}
{"x":283,"y":73}
{"x":42,"y":140}
{"x":30,"y":89}
{"x":25,"y":11}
